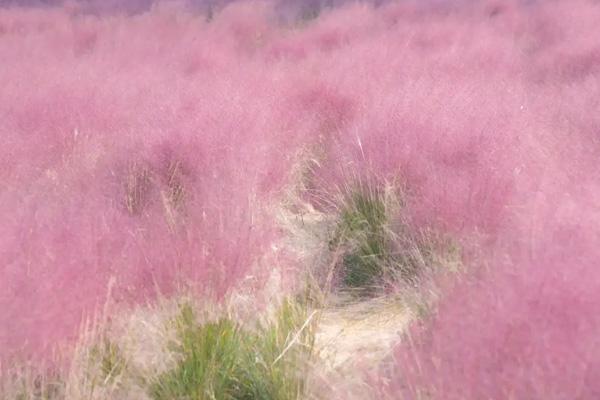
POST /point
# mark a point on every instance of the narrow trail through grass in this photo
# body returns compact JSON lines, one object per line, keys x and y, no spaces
{"x":359,"y":333}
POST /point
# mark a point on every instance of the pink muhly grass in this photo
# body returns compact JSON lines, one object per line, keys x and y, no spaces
{"x":108,"y":171}
{"x":148,"y":146}
{"x":524,"y":322}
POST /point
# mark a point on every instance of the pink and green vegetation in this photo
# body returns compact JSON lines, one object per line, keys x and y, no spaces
{"x":148,"y":146}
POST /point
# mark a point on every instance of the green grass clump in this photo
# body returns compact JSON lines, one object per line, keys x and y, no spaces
{"x":377,"y":244}
{"x":223,"y":360}
{"x":362,"y":233}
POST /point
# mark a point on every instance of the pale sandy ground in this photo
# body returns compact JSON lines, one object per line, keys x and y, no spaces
{"x":362,"y":333}
{"x":352,"y":337}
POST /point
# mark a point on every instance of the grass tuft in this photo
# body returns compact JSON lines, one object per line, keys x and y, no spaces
{"x":378,"y":244}
{"x":361,"y":231}
{"x":137,"y":188}
{"x":223,"y":360}
{"x":28,"y":386}
{"x":110,"y":360}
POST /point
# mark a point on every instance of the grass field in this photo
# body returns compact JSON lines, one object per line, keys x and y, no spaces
{"x":299,"y":199}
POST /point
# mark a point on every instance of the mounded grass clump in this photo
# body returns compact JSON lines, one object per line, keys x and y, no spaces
{"x":361,"y":230}
{"x":377,"y":244}
{"x":222,"y":359}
